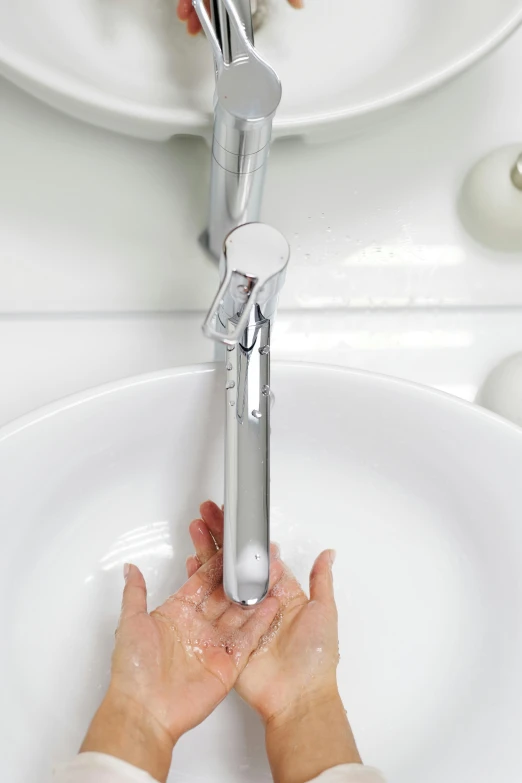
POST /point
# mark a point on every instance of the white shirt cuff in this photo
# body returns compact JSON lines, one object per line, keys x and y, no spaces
{"x":350,"y":773}
{"x":100,"y":768}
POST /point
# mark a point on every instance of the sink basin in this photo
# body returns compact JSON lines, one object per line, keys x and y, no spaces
{"x":419,"y":493}
{"x":131,"y":67}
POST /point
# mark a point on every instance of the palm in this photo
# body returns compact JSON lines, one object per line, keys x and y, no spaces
{"x":272,"y":678}
{"x":189,"y":651}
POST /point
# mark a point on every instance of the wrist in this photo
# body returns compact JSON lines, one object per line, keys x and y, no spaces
{"x":310,"y":736}
{"x":124,"y":729}
{"x":322,"y":697}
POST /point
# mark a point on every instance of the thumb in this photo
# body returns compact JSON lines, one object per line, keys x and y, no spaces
{"x":321,"y":579}
{"x":134,"y":593}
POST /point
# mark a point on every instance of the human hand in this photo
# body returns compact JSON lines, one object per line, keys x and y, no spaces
{"x":172,"y":667}
{"x":290,"y":680}
{"x":297,"y":660}
{"x":186,"y":13}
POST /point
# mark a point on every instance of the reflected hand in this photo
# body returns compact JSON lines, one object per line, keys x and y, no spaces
{"x":186,"y":13}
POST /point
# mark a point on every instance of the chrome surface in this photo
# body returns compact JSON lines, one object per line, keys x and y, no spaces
{"x":252,"y":268}
{"x":247,"y":95}
{"x":230,"y":43}
{"x":516,"y":173}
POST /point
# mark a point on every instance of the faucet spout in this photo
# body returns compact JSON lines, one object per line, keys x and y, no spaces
{"x":253,"y":268}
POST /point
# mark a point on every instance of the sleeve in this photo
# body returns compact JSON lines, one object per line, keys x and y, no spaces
{"x":99,"y":768}
{"x":350,"y":773}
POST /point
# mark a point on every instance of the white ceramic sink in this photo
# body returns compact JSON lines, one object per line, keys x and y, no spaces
{"x":419,"y":493}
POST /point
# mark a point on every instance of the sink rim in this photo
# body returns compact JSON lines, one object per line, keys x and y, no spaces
{"x":415,"y":390}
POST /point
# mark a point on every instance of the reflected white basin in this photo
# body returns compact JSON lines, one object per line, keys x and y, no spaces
{"x":419,"y":493}
{"x":132,"y":68}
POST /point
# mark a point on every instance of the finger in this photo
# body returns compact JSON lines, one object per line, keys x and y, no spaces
{"x":192,"y":564}
{"x":277,"y":567}
{"x":134,"y":599}
{"x":205,"y":581}
{"x":184,"y":9}
{"x":296,"y":3}
{"x":203,"y":590}
{"x":286,"y":587}
{"x":203,"y":540}
{"x":321,"y":579}
{"x":213,"y":517}
{"x":247,"y":638}
{"x":193,"y":23}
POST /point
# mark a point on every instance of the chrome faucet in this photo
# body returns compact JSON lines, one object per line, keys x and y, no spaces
{"x":247,"y":95}
{"x":253,"y":268}
{"x":253,"y":261}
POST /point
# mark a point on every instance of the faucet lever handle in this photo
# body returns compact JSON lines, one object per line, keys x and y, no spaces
{"x":234,"y":285}
{"x":253,"y":268}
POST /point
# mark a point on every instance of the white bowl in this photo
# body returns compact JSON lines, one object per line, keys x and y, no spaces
{"x":419,"y":493}
{"x":130,"y":67}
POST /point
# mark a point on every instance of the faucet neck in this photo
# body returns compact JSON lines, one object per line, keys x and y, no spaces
{"x":247,"y":95}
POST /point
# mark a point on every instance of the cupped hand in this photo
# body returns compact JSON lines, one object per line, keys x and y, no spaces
{"x":297,"y":659}
{"x":182,"y":659}
{"x":186,"y":13}
{"x":172,"y":667}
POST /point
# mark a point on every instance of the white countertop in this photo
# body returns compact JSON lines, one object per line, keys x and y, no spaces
{"x":102,"y":275}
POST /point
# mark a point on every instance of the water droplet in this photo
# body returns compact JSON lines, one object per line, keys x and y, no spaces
{"x":264,"y":350}
{"x":265,"y":391}
{"x":329,"y":230}
{"x":257,"y":414}
{"x":258,"y":557}
{"x":230,"y":347}
{"x":229,"y":366}
{"x":242,"y":289}
{"x":230,"y":385}
{"x":229,"y":650}
{"x":231,"y":403}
